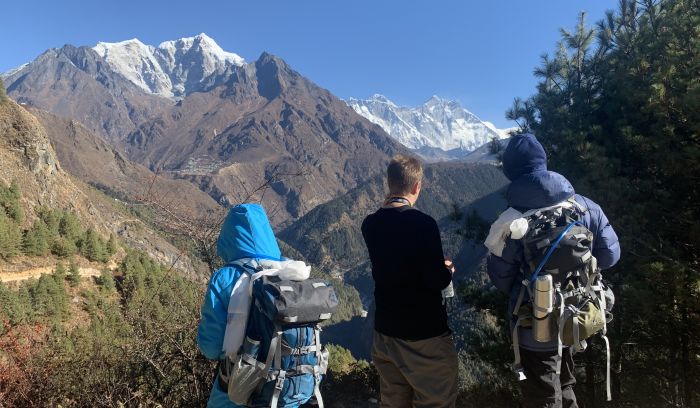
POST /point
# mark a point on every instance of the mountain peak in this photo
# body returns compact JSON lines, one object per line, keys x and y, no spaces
{"x":267,"y":58}
{"x":204,"y":37}
{"x":271,"y":72}
{"x":438,"y":123}
{"x":440,"y":101}
{"x":380,"y":98}
{"x":174,"y":68}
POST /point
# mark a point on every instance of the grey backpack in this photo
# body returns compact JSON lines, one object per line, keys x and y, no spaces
{"x":281,"y":362}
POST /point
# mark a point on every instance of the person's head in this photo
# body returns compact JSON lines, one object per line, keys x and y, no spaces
{"x":404,"y":175}
{"x":246,"y":233}
{"x":524,"y":155}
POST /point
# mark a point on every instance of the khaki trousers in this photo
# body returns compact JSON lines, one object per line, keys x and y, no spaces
{"x":418,"y":374}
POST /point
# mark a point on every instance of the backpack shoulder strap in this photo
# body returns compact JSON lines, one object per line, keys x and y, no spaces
{"x":247,"y":265}
{"x":580,"y":207}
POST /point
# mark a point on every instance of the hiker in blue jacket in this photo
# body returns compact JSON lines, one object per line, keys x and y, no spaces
{"x":533,"y":186}
{"x":246,"y":233}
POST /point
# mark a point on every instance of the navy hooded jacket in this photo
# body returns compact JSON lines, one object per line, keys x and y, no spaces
{"x":533,"y":186}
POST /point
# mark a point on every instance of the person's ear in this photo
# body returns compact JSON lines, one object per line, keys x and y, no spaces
{"x":416,"y":188}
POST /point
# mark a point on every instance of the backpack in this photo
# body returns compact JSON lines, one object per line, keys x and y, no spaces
{"x":281,"y":362}
{"x":568,"y":300}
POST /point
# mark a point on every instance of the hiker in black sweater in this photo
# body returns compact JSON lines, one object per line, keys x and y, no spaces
{"x":413,"y":348}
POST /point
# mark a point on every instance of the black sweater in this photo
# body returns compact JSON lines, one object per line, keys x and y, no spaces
{"x":409,"y":273}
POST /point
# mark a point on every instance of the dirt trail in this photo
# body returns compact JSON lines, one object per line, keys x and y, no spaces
{"x":37,"y":272}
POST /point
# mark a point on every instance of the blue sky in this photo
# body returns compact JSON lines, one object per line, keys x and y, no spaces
{"x":481,"y":53}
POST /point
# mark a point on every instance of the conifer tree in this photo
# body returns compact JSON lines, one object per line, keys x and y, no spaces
{"x":69,"y":227}
{"x":10,"y":201}
{"x":63,"y":248}
{"x":73,"y":274}
{"x":52,"y":219}
{"x":10,"y":237}
{"x":92,"y":246}
{"x":107,"y":279}
{"x":36,"y":240}
{"x":112,"y":245}
{"x":621,"y":120}
{"x":495,"y":145}
{"x":60,"y":272}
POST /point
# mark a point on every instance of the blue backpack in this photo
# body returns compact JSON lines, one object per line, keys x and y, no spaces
{"x":281,"y":362}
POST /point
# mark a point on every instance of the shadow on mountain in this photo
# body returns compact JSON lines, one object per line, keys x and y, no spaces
{"x":355,"y":335}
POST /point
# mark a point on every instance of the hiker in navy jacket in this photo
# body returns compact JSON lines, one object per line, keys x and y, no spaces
{"x":533,"y":186}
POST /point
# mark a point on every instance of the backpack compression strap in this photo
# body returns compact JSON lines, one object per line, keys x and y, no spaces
{"x":276,"y":349}
{"x":317,"y":367}
{"x":275,"y":352}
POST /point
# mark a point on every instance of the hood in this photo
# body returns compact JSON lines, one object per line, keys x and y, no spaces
{"x":523,"y":155}
{"x":537,"y":190}
{"x":246,"y":233}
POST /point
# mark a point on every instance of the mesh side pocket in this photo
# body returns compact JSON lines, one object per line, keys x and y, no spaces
{"x":245,"y":374}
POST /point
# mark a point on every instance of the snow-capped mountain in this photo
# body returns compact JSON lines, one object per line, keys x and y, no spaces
{"x":437,"y":124}
{"x":172,"y":69}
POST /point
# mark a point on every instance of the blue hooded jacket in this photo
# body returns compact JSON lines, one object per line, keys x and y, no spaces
{"x":246,"y":233}
{"x":533,"y":186}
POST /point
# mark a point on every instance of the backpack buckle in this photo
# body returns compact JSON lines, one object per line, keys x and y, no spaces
{"x":280,"y":380}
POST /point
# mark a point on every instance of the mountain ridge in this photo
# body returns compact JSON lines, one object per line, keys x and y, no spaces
{"x":174,"y":68}
{"x":438,"y":129}
{"x":236,"y":129}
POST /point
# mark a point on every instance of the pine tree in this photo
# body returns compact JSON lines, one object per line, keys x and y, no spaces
{"x":112,"y":245}
{"x":69,"y":227}
{"x":60,"y":272}
{"x":52,"y":219}
{"x":73,"y":274}
{"x":10,"y":201}
{"x":10,"y":237}
{"x":92,"y":246}
{"x":475,"y":227}
{"x":36,"y":240}
{"x":495,"y":146}
{"x":63,"y":248}
{"x":107,"y":279}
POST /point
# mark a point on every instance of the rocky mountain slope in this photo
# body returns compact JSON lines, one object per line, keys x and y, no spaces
{"x":266,"y":123}
{"x":439,"y":129}
{"x":92,"y":159}
{"x":26,"y":155}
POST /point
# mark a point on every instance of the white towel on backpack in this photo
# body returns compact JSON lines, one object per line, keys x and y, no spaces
{"x":500,"y":231}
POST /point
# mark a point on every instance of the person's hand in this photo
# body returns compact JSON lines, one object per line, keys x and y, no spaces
{"x":450,"y":266}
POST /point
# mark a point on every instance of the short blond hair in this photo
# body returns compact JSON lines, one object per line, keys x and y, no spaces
{"x":403,"y":173}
